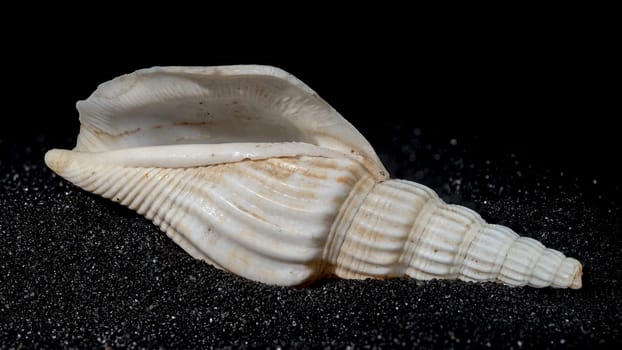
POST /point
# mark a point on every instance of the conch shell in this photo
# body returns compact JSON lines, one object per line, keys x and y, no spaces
{"x":249,"y":169}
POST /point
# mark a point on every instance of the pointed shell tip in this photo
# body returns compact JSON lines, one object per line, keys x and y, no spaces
{"x":576,"y":281}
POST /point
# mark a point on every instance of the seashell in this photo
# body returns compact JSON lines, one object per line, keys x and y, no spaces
{"x":247,"y":168}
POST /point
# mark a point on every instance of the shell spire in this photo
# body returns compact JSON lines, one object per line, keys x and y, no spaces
{"x":403,"y":229}
{"x":248,"y":169}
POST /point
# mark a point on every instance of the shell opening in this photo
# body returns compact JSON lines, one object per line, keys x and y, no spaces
{"x":230,"y":111}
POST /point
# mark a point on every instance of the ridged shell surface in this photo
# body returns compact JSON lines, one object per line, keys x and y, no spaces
{"x":247,"y":168}
{"x":267,"y":220}
{"x":402,"y":228}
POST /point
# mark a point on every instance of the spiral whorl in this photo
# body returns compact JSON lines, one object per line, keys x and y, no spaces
{"x":403,"y":228}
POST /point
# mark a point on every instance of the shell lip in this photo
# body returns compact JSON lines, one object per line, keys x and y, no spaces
{"x":109,"y":89}
{"x":187,"y":155}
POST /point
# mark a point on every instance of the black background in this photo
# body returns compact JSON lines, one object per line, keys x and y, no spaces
{"x":531,"y":104}
{"x":546,"y":91}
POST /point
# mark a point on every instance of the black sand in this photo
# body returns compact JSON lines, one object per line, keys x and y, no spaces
{"x":78,"y":271}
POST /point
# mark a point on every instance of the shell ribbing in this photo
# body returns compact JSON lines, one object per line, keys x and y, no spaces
{"x":268,"y":220}
{"x":292,"y":220}
{"x":403,"y":228}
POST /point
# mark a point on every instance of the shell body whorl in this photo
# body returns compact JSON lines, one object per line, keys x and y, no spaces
{"x":247,"y":168}
{"x":266,"y":220}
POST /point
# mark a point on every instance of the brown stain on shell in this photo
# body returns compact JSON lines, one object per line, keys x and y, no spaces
{"x":100,"y":132}
{"x":271,"y":168}
{"x":185,"y":123}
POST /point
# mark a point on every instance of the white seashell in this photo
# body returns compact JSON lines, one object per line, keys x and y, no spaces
{"x":247,"y":168}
